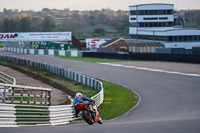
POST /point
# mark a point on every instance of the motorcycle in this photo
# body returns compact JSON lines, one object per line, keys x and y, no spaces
{"x":91,"y":115}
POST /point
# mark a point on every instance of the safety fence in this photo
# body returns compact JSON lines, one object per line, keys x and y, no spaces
{"x":73,"y":53}
{"x":7,"y":79}
{"x":18,"y":94}
{"x":53,"y":115}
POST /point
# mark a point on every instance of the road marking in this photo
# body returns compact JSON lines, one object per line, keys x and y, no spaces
{"x":150,"y":69}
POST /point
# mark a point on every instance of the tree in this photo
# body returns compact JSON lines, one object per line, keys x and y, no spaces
{"x":25,"y":24}
{"x":9,"y":25}
{"x":48,"y":24}
{"x":99,"y":32}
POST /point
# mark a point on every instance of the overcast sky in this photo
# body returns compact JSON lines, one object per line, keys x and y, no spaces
{"x":91,"y":4}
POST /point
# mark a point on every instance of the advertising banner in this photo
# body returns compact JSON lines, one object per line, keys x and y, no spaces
{"x":35,"y":36}
{"x":94,"y":43}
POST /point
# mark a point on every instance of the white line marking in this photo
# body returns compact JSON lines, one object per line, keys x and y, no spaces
{"x":150,"y":69}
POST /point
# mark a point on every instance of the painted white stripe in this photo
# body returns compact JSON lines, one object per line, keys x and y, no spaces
{"x":150,"y":69}
{"x":8,"y":126}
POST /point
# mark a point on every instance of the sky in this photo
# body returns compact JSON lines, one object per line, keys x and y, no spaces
{"x":38,"y":5}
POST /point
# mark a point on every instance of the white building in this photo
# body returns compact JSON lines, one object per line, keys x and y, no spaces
{"x":157,"y":22}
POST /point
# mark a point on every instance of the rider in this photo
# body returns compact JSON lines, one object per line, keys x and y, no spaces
{"x":81,"y":103}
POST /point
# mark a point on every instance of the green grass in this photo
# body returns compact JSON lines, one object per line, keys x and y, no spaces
{"x":91,"y":59}
{"x":117,"y":99}
{"x":1,"y":44}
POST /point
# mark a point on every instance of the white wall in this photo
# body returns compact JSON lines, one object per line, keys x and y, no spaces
{"x":51,"y":52}
{"x":155,"y":7}
{"x":74,"y":53}
{"x":183,"y":32}
{"x":41,"y":52}
{"x":62,"y":52}
{"x":186,"y":45}
{"x":32,"y":51}
{"x":140,"y":18}
{"x":132,"y":30}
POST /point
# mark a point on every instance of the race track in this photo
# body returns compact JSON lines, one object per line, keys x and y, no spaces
{"x":170,"y":103}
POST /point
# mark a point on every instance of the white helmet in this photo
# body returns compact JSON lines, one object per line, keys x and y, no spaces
{"x":78,"y":94}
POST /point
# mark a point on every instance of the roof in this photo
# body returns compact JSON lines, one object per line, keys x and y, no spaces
{"x":153,"y":44}
{"x":163,"y":29}
{"x":112,"y":41}
{"x":152,"y":4}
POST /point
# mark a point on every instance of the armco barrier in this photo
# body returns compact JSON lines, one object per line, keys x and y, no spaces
{"x":53,"y":115}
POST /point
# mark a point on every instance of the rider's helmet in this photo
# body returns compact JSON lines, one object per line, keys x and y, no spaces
{"x":78,"y":94}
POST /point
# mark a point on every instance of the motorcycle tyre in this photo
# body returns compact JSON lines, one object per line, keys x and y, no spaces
{"x":85,"y":117}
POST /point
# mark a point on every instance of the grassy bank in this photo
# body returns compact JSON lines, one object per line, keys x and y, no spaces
{"x":91,"y":59}
{"x":117,"y":99}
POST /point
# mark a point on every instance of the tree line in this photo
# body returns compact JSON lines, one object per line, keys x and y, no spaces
{"x":83,"y":24}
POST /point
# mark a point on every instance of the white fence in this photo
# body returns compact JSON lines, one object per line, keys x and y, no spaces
{"x":60,"y":114}
{"x":72,"y":53}
{"x":7,"y":79}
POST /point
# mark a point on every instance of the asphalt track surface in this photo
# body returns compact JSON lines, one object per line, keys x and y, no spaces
{"x":170,"y":103}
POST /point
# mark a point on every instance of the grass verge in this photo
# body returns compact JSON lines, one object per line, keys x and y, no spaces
{"x":117,"y":99}
{"x":91,"y":59}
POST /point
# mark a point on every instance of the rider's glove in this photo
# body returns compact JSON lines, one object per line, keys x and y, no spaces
{"x":91,"y":100}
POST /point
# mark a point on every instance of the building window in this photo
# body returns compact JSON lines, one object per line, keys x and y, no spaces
{"x":180,"y":38}
{"x":190,"y":38}
{"x":133,"y":18}
{"x":170,"y":38}
{"x":195,"y":38}
{"x":133,"y":12}
{"x":175,"y":38}
{"x":142,"y":12}
{"x":146,"y":12}
{"x":169,"y":12}
{"x":185,"y":38}
{"x":153,"y":12}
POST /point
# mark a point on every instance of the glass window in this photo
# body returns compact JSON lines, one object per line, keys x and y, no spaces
{"x":170,"y":38}
{"x":141,"y":24}
{"x":151,"y":12}
{"x":150,"y":24}
{"x":195,"y":38}
{"x":198,"y":38}
{"x":175,"y":38}
{"x":155,"y":24}
{"x":190,"y":38}
{"x":159,"y":25}
{"x":169,"y":12}
{"x":133,"y":18}
{"x":185,"y":38}
{"x":160,"y":12}
{"x":146,"y":12}
{"x":180,"y":38}
{"x":141,"y":12}
{"x":133,"y":12}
